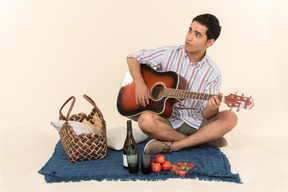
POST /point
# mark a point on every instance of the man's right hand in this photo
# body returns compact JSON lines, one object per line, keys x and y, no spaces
{"x":142,"y":94}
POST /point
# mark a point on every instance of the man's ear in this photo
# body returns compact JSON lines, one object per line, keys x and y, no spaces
{"x":210,"y":42}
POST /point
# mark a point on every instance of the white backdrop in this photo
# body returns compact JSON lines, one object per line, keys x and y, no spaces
{"x":50,"y":50}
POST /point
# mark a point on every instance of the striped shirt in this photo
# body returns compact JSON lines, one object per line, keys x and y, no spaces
{"x":203,"y":77}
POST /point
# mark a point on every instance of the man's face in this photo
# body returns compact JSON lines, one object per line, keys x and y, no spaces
{"x":196,"y":39}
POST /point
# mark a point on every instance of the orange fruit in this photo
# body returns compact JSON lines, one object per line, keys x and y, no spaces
{"x":159,"y":158}
{"x":156,"y":167}
{"x":166,"y":165}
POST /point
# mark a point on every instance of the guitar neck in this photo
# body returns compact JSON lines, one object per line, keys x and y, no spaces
{"x":184,"y":94}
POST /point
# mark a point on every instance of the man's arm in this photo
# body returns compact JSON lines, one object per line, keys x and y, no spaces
{"x":142,"y":94}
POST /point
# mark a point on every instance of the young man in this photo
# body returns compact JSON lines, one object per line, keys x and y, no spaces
{"x":193,"y":122}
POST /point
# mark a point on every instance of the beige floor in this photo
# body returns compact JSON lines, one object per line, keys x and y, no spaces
{"x":50,"y":50}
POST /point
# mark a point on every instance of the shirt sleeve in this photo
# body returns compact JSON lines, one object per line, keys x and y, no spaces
{"x":153,"y":57}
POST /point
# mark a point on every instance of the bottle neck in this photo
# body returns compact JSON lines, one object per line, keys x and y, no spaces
{"x":129,"y":131}
{"x":129,"y":128}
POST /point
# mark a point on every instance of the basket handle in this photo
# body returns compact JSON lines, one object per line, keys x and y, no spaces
{"x":90,"y":100}
{"x":96,"y":108}
{"x":94,"y":105}
{"x":70,"y":109}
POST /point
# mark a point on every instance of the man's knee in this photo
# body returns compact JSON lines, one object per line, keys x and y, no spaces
{"x":146,"y":121}
{"x":228,"y":118}
{"x":231,"y":119}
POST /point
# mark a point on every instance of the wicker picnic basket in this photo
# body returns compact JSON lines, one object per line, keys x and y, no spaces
{"x":86,"y":146}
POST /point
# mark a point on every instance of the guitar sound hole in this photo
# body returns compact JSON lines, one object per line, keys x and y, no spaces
{"x":157,"y":92}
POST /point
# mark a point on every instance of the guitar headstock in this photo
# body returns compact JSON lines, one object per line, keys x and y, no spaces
{"x":236,"y":101}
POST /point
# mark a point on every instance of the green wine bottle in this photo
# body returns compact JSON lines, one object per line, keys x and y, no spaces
{"x":129,"y":144}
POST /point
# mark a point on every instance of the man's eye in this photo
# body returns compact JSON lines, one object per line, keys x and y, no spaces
{"x":198,"y":35}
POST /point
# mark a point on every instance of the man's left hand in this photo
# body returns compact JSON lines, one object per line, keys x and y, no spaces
{"x":212,"y":107}
{"x":214,"y":103}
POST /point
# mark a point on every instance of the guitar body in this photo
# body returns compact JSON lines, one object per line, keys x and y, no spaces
{"x":126,"y":102}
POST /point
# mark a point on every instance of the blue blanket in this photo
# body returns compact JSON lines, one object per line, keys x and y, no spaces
{"x":210,"y":164}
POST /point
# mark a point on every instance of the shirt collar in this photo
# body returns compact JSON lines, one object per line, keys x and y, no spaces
{"x":200,"y":63}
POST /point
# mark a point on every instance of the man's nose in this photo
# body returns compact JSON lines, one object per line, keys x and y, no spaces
{"x":189,"y":36}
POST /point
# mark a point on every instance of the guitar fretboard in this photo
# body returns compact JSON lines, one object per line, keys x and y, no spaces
{"x":184,"y":94}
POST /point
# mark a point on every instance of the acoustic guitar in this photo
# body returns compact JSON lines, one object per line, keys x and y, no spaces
{"x":166,"y":89}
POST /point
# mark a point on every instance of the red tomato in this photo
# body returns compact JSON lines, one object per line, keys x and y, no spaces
{"x":166,"y":165}
{"x":182,"y":173}
{"x":173,"y":169}
{"x":159,"y":159}
{"x":191,"y":165}
{"x":156,"y":167}
{"x":183,"y":168}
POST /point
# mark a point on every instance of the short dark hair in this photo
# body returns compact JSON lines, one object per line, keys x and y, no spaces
{"x":212,"y":23}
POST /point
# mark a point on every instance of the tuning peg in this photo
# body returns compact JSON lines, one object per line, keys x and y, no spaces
{"x":231,"y":109}
{"x":242,"y":94}
{"x":250,"y":96}
{"x":238,"y":109}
